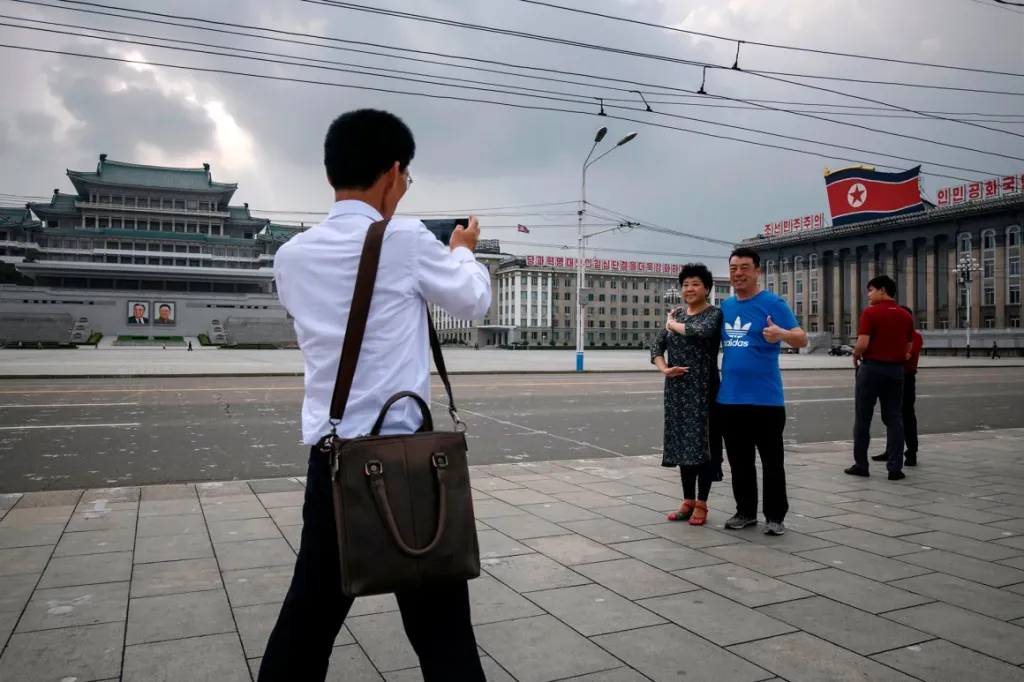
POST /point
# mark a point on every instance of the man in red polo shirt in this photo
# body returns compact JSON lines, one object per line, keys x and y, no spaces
{"x":885,"y":341}
{"x":909,"y":400}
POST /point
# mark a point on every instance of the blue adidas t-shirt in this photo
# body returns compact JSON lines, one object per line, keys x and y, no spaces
{"x":750,"y":365}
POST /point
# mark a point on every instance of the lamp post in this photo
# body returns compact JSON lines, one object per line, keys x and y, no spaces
{"x":581,"y":238}
{"x":966,"y":268}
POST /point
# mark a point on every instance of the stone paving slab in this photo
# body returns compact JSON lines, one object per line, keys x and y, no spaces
{"x":583,"y":580}
{"x":155,"y":362}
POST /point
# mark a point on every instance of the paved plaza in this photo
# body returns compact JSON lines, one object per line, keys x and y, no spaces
{"x":583,"y":578}
{"x":209,"y":362}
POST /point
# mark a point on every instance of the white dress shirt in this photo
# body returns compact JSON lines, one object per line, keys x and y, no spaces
{"x":315,"y":273}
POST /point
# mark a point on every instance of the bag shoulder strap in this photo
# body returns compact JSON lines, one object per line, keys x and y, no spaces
{"x":366,"y":278}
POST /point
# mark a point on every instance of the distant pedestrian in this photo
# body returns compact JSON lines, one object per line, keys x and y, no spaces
{"x":691,"y":337}
{"x":190,"y":345}
{"x":909,"y":410}
{"x":751,"y":400}
{"x":995,"y":350}
{"x":885,"y":342}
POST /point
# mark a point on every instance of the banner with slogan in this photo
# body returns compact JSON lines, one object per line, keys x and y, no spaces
{"x":598,"y":264}
{"x":983,"y":189}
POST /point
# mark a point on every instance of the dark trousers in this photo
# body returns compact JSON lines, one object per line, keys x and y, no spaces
{"x":756,"y":427}
{"x":909,"y":413}
{"x":879,"y":382}
{"x":697,"y":480}
{"x":437,"y":621}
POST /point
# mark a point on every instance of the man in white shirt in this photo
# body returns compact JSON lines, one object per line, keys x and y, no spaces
{"x":367,"y":155}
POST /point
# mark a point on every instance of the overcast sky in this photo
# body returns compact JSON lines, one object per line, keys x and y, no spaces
{"x":59,"y":112}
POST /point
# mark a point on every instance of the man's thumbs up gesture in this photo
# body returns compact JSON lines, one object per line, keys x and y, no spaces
{"x":773,"y":333}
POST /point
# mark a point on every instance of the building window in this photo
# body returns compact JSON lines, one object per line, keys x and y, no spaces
{"x":1014,"y":297}
{"x":800,"y":307}
{"x":785,"y":287}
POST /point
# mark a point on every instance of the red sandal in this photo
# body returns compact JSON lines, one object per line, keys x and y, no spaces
{"x":685,"y":512}
{"x":700,"y":514}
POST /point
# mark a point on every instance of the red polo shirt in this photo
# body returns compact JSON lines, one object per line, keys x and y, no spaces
{"x":890,"y":327}
{"x":910,"y":366}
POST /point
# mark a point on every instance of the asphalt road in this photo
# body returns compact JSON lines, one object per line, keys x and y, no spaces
{"x":60,"y":434}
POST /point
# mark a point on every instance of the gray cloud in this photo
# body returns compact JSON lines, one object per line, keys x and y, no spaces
{"x":473,"y":155}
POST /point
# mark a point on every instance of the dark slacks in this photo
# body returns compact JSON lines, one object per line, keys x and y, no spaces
{"x":882,"y":383}
{"x":910,"y":413}
{"x":750,"y":428}
{"x":437,"y":621}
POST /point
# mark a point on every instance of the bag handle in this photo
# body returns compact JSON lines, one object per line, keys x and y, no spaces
{"x":428,"y":419}
{"x":375,"y":470}
{"x":366,"y":277}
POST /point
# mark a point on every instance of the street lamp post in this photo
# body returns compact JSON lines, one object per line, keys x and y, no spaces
{"x":966,"y":268}
{"x":581,"y":238}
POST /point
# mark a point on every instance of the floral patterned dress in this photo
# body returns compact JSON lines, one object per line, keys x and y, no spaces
{"x":690,"y":398}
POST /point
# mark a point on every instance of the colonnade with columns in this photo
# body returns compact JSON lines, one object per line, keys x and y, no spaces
{"x":825,"y":283}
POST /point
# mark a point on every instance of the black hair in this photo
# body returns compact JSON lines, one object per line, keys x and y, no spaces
{"x":697,"y":270}
{"x":363,"y":145}
{"x":746,"y":252}
{"x":883,"y":283}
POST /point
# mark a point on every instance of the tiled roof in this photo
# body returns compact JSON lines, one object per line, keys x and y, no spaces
{"x":109,"y":172}
{"x":279,"y":233}
{"x":242,"y":214}
{"x":59,"y":203}
{"x":932,"y":215}
{"x":15,"y":216}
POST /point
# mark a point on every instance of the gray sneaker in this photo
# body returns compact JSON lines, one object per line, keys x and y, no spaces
{"x":740,"y":522}
{"x":774,"y":528}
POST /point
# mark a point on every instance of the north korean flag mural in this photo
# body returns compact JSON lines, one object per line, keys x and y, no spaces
{"x":859,"y":194}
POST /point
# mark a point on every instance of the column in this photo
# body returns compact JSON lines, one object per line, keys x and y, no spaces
{"x":821,"y":294}
{"x":805,"y":277}
{"x":837,"y":295}
{"x":955,"y":314}
{"x":1001,"y":279}
{"x":516,"y":295}
{"x":872,"y":263}
{"x":930,"y":285}
{"x":855,"y":292}
{"x":791,"y":299}
{"x":910,"y":278}
{"x":976,"y":278}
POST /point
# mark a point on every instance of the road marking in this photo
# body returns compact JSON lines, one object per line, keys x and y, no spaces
{"x":68,"y":426}
{"x":534,"y":431}
{"x":4,"y":407}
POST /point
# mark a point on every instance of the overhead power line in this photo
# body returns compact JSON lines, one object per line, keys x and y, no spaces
{"x":406,"y":75}
{"x":614,"y":50}
{"x":457,"y":98}
{"x":776,"y":46}
{"x":335,"y":44}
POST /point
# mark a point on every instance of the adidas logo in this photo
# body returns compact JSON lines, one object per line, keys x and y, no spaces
{"x":736,"y":331}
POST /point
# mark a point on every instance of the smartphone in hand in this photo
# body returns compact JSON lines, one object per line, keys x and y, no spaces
{"x":443,"y":228}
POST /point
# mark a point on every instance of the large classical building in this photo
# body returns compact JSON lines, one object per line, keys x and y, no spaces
{"x":534,"y":303}
{"x":823,"y":272}
{"x":140,"y":251}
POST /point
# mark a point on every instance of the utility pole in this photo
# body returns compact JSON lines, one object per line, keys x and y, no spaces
{"x":966,"y":268}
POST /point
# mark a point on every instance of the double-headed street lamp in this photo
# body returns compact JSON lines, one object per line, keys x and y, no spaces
{"x":581,"y":238}
{"x":966,"y":267}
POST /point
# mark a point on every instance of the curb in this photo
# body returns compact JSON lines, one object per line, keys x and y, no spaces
{"x":473,"y":372}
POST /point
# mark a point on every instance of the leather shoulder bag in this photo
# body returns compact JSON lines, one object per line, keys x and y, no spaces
{"x":402,"y":503}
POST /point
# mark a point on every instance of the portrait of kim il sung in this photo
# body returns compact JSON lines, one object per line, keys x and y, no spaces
{"x":138,"y":312}
{"x":164,"y":312}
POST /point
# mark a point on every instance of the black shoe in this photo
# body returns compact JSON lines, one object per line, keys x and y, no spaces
{"x":880,"y":458}
{"x":896,"y":475}
{"x":740,"y":522}
{"x":857,"y":471}
{"x":910,"y":460}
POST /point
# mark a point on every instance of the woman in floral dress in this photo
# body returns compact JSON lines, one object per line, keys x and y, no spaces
{"x":691,"y":338}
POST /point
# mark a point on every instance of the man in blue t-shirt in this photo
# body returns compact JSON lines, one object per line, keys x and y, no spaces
{"x":751,"y":401}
